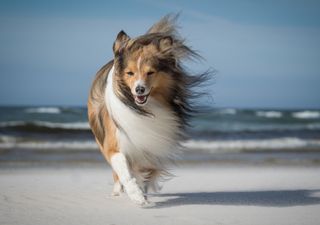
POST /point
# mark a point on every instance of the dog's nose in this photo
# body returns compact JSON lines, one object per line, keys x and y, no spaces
{"x":140,"y":90}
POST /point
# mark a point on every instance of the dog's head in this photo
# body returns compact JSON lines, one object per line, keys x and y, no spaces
{"x":143,"y":66}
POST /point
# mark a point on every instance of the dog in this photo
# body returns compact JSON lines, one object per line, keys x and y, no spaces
{"x":140,"y":104}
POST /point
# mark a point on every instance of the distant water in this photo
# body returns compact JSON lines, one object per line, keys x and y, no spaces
{"x":220,"y":130}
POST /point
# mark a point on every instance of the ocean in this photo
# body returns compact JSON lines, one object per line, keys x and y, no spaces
{"x":62,"y":134}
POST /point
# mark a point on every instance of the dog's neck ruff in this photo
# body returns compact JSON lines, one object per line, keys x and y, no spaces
{"x":149,"y":140}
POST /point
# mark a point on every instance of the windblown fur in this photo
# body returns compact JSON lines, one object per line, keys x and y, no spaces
{"x":147,"y":135}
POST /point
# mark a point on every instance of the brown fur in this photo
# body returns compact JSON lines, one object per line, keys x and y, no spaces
{"x":101,"y":124}
{"x":160,"y":51}
{"x":143,"y":61}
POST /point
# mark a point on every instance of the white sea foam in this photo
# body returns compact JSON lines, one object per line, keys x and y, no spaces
{"x":269,"y":114}
{"x":210,"y":146}
{"x":306,"y":115}
{"x":229,"y":111}
{"x":71,"y":126}
{"x":269,"y":144}
{"x":7,"y":139}
{"x":78,"y":145}
{"x":53,"y":110}
{"x":12,"y":123}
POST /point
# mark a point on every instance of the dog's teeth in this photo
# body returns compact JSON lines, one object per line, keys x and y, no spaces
{"x":141,"y":99}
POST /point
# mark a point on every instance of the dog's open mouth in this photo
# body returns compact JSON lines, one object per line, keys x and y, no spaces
{"x":141,"y":99}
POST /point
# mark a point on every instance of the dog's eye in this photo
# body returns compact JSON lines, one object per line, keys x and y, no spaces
{"x":150,"y":73}
{"x":130,"y":73}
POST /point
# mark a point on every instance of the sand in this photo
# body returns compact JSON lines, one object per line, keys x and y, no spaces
{"x":200,"y":194}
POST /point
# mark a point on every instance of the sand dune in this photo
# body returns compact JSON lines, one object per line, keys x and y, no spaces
{"x":197,"y":195}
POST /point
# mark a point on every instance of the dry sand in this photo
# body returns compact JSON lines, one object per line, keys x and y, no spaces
{"x":198,"y":195}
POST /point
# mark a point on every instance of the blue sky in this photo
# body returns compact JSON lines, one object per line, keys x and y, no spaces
{"x":267,"y":53}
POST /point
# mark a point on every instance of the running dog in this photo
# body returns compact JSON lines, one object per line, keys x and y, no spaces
{"x":140,"y":104}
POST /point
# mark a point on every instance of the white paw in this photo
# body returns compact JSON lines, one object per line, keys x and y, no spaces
{"x":135,"y":193}
{"x":138,"y":198}
{"x":117,"y":189}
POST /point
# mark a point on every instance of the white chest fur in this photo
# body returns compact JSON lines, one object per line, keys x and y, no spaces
{"x":148,"y":140}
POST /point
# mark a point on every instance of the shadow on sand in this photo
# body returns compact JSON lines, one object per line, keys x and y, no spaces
{"x":275,"y":198}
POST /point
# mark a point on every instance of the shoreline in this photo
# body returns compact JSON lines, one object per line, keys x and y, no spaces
{"x":65,"y":157}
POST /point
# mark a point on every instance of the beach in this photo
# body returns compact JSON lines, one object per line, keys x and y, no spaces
{"x":222,"y":97}
{"x":198,"y":194}
{"x":238,"y":166}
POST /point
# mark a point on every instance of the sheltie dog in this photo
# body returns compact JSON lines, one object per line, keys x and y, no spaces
{"x":140,"y":104}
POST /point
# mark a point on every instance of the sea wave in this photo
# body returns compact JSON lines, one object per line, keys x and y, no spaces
{"x":61,"y":145}
{"x":269,"y":114}
{"x":238,"y":128}
{"x":72,"y":126}
{"x":253,"y":145}
{"x":53,"y":110}
{"x":229,"y":111}
{"x":306,"y":115}
{"x":43,"y":125}
{"x":7,"y":139}
{"x":216,"y":146}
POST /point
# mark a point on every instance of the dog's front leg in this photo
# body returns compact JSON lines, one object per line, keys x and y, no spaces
{"x":120,"y":166}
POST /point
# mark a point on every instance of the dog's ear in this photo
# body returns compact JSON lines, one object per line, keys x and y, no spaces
{"x":165,"y":43}
{"x":121,"y":40}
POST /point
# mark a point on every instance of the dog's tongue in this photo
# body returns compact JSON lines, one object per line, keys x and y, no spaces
{"x":141,"y":98}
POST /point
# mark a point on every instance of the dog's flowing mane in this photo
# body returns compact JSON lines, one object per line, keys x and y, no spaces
{"x":182,"y":100}
{"x":183,"y":97}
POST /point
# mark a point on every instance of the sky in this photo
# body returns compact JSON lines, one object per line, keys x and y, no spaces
{"x":266,"y":53}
